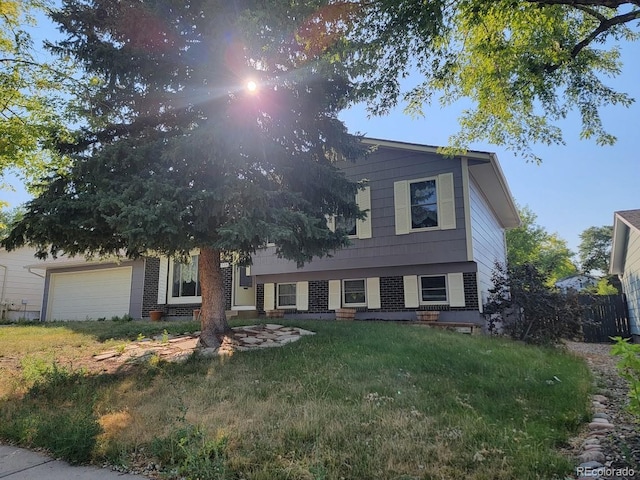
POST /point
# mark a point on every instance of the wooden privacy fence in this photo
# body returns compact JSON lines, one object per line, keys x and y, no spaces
{"x":604,"y":316}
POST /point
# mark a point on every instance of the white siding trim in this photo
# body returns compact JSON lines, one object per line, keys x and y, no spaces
{"x":402,"y":207}
{"x":269,"y":296}
{"x":302,"y":296}
{"x":467,"y":209}
{"x":363,"y":199}
{"x":373,"y":292}
{"x":335,"y":300}
{"x":162,"y":280}
{"x":446,"y":202}
{"x":411,"y":298}
{"x":455,"y":289}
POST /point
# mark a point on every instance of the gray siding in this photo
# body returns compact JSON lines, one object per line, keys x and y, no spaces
{"x":487,"y":239}
{"x":631,"y":279}
{"x":386,"y":249}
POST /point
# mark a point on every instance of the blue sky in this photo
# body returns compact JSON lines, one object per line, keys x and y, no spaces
{"x":578,"y":185}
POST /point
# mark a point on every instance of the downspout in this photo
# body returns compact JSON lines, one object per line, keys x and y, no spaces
{"x":34,"y":273}
{"x":41,"y":276}
{"x":4,"y":287}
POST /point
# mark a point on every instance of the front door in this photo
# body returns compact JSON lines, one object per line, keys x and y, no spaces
{"x":244,"y":292}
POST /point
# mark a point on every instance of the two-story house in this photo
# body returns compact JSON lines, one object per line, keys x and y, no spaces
{"x":434,"y":230}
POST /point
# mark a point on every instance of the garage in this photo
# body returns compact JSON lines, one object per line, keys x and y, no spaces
{"x":100,"y":293}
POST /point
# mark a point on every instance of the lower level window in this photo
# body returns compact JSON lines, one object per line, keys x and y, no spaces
{"x":286,"y":295}
{"x":355,"y":293}
{"x":433,"y":289}
{"x":185,"y":279}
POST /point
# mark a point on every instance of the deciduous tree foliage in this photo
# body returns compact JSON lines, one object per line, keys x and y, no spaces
{"x":176,"y":154}
{"x":32,"y":106}
{"x":524,"y":64}
{"x":530,"y":244}
{"x":595,"y":248}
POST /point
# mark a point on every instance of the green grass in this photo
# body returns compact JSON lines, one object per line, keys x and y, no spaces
{"x":357,"y":400}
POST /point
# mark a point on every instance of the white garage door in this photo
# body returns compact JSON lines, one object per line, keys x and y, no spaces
{"x":89,"y":295}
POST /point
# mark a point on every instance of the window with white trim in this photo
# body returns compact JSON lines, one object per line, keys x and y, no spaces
{"x":433,"y":289}
{"x":424,"y":204}
{"x":354,"y":293}
{"x":185,"y":281}
{"x":286,"y":297}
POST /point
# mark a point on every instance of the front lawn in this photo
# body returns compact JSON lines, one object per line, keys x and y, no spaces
{"x":358,"y":400}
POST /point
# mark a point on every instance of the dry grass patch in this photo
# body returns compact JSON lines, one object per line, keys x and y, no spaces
{"x":358,"y":400}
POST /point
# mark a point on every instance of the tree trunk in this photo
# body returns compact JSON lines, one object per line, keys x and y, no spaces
{"x":212,"y":314}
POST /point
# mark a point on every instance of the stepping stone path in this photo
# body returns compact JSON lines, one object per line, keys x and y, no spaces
{"x":179,"y":348}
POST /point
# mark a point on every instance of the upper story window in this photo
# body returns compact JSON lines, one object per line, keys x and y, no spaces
{"x":349,"y":225}
{"x":185,"y":279}
{"x":355,"y":228}
{"x":424,"y":203}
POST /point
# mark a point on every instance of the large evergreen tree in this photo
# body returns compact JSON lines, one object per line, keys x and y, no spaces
{"x":176,"y":154}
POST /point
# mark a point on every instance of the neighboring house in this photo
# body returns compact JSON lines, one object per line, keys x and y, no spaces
{"x":577,"y":282}
{"x":625,"y":261}
{"x":20,"y":289}
{"x":434,"y":231}
{"x":22,"y":280}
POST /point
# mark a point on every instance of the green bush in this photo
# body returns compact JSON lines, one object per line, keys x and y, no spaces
{"x":629,"y":369}
{"x":522,"y":306}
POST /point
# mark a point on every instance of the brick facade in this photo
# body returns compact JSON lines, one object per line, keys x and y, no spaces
{"x":150,"y":293}
{"x":391,"y":297}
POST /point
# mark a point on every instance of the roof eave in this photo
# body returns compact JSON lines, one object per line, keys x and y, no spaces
{"x":618,"y":245}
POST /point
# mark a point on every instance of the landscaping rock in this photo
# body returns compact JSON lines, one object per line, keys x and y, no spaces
{"x":180,"y":348}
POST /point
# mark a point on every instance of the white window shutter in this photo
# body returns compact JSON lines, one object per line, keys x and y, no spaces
{"x":335,"y":300}
{"x":331,"y":222}
{"x":446,"y":202}
{"x":363,"y":199}
{"x":402,"y":207}
{"x":302,"y":296}
{"x":269,"y":296}
{"x":373,"y":292}
{"x":162,"y":280}
{"x":411,"y":298}
{"x":456,"y":289}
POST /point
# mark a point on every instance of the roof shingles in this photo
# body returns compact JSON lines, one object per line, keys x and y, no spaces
{"x":631,"y":217}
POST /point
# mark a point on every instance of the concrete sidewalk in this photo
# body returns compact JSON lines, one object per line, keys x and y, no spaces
{"x":20,"y":464}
